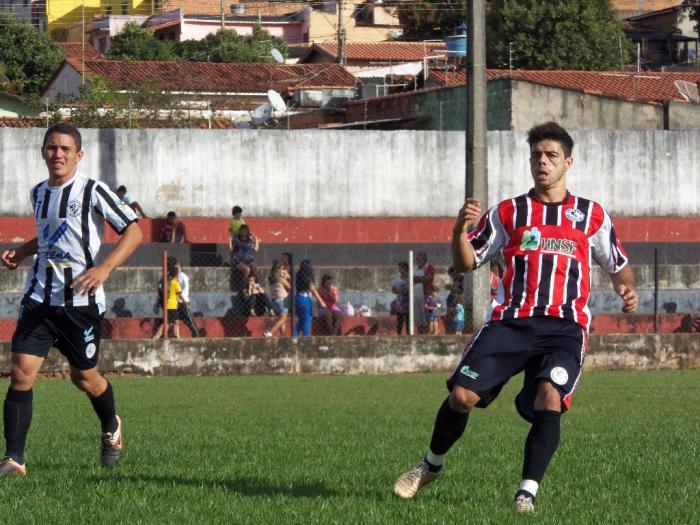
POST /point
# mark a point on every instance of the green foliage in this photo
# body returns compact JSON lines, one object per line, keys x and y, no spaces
{"x":228,"y":46}
{"x":134,"y":43}
{"x":557,"y":34}
{"x":103,"y":106}
{"x":29,"y":58}
{"x":425,"y":19}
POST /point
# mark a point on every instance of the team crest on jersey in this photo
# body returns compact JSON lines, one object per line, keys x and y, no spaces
{"x":574,"y":215}
{"x":559,"y":375}
{"x":74,"y":208}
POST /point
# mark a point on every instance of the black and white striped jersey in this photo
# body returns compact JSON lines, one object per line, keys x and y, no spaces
{"x":69,"y":226}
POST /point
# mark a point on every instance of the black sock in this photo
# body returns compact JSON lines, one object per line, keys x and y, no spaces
{"x":17,"y":417}
{"x":541,"y":443}
{"x":104,"y":408}
{"x":449,"y":427}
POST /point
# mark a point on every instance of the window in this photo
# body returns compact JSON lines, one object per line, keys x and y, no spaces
{"x":125,"y":7}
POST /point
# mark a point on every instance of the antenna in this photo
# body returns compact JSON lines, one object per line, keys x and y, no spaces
{"x":277,"y":56}
{"x":277,"y":101}
{"x":261,"y":114}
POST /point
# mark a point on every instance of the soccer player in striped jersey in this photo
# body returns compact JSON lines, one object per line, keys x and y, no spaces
{"x":543,"y":243}
{"x":64,"y":301}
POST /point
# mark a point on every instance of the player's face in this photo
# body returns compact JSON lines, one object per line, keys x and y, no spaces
{"x":62,"y":157}
{"x":548,"y":165}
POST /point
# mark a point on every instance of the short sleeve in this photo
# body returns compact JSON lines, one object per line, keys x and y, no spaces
{"x":606,"y":248}
{"x":488,"y":238}
{"x":117,"y":214}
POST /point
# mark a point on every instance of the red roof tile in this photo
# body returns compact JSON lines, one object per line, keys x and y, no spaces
{"x":76,"y":50}
{"x":217,"y":77}
{"x":7,"y":122}
{"x":642,"y":87}
{"x":380,"y":51}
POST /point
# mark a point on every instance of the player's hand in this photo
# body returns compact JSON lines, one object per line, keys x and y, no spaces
{"x":10,"y":259}
{"x":89,"y":281}
{"x":629,"y":298}
{"x":468,"y":215}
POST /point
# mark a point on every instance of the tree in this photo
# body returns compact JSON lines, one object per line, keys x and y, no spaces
{"x":692,"y":7}
{"x":134,"y":43}
{"x":228,"y":46}
{"x":424,"y":19}
{"x":29,"y":57}
{"x":557,"y":34}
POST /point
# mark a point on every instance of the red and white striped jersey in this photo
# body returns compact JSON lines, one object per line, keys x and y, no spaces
{"x":544,"y":253}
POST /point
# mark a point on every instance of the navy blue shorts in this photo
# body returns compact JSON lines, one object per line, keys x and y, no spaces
{"x":74,"y":330}
{"x":543,"y":347}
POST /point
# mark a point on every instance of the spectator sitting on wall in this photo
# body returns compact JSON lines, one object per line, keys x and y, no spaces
{"x":234,"y":225}
{"x":119,"y":308}
{"x":173,"y":230}
{"x":330,"y":315}
{"x":256,"y":299}
{"x":243,"y":248}
{"x":124,"y":199}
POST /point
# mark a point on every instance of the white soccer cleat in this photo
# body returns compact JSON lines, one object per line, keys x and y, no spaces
{"x":10,"y":468}
{"x":524,"y":503}
{"x":409,"y":483}
{"x":112,"y":445}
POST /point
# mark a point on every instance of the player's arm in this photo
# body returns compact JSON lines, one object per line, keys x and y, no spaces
{"x":90,"y":280}
{"x":462,"y":252}
{"x":12,"y":258}
{"x":624,"y":285}
{"x":137,"y":208}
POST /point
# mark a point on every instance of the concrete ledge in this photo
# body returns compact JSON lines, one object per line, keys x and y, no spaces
{"x":356,"y":355}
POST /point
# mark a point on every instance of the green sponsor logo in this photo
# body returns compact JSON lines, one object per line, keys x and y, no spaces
{"x":531,"y":239}
{"x":469,"y":373}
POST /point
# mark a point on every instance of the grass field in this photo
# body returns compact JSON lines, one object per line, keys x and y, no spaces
{"x":267,"y":450}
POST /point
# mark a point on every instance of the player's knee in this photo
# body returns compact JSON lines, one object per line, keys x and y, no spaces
{"x":548,"y":397}
{"x":463,"y":400}
{"x":20,"y":375}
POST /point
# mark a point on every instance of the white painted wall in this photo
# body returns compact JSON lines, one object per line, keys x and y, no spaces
{"x":315,"y":173}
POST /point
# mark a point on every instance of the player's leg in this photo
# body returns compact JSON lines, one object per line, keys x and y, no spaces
{"x":17,"y":412}
{"x":101,"y":396}
{"x":540,"y":445}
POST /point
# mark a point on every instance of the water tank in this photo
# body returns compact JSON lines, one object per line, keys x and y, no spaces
{"x":456,"y":45}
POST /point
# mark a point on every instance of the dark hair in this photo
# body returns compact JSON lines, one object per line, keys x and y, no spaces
{"x":236,"y":209}
{"x":305,"y":276}
{"x":422,"y":254}
{"x":64,"y":128}
{"x":325,"y":278}
{"x":403,"y":265}
{"x":172,"y":272}
{"x":551,"y":131}
{"x":274,"y":271}
{"x":122,"y":188}
{"x":171,"y":261}
{"x":171,"y":214}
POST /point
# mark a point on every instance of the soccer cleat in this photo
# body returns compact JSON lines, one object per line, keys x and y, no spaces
{"x":10,"y":468}
{"x":112,"y":445}
{"x":524,"y":502}
{"x":409,"y":483}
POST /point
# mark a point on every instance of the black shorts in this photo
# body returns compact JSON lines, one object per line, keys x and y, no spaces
{"x":544,"y":347}
{"x":74,"y":330}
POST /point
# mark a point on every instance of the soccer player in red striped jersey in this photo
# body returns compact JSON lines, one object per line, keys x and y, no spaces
{"x":543,"y":243}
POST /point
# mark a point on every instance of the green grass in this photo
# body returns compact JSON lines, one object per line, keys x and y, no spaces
{"x":266,"y":450}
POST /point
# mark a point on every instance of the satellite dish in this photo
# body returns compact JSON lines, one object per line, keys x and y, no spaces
{"x":277,"y":101}
{"x":262,"y":113}
{"x":277,"y":56}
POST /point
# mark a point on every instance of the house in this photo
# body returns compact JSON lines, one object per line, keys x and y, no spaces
{"x":626,"y":8}
{"x":519,"y":99}
{"x":31,"y":11}
{"x":228,"y":90}
{"x":368,"y":55}
{"x":666,"y":37}
{"x":286,"y":20}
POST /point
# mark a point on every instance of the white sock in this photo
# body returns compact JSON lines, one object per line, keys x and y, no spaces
{"x":530,"y":486}
{"x":435,"y":459}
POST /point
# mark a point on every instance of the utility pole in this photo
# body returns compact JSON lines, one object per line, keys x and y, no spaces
{"x":223,"y":17}
{"x":341,"y":34}
{"x":476,"y":183}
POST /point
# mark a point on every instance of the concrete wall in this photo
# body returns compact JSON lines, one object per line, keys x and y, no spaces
{"x":684,"y":116}
{"x":313,"y":173}
{"x":356,"y":355}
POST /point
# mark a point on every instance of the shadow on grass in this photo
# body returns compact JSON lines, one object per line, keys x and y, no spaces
{"x":244,"y":486}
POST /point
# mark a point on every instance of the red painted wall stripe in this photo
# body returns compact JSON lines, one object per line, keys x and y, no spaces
{"x":280,"y":230}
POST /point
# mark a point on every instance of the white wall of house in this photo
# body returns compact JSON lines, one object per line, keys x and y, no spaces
{"x":316,"y":173}
{"x":291,"y":33}
{"x":66,"y":84}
